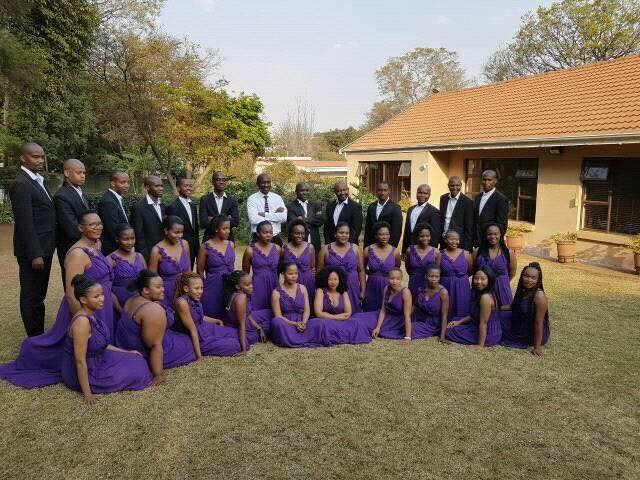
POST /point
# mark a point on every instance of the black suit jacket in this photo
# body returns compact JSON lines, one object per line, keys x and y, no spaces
{"x":391,"y":214}
{"x":191,"y":230}
{"x":314,"y":219}
{"x":430,"y":215}
{"x":34,"y":233}
{"x":112,"y":215}
{"x":351,"y":213}
{"x":68,"y":207}
{"x":208,"y":208}
{"x":147,"y":226}
{"x":461,"y":219}
{"x":496,"y":210}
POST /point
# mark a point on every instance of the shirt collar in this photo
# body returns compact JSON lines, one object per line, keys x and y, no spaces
{"x":303,"y":202}
{"x":77,"y":189}
{"x":224,"y":194}
{"x":151,"y":202}
{"x":345,"y":202}
{"x":383,"y":204}
{"x":486,"y":194}
{"x":457,"y":197}
{"x":184,"y":200}
{"x":118,"y":196}
{"x":32,"y":175}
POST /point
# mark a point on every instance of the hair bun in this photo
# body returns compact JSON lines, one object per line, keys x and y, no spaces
{"x":534,"y":265}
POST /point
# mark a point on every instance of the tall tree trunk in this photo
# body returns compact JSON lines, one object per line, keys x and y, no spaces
{"x":163,"y":166}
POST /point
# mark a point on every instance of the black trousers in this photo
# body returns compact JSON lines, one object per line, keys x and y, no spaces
{"x":33,"y":291}
{"x":277,"y":239}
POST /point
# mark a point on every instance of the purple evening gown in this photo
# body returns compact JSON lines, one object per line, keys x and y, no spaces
{"x":216,"y":266}
{"x":177,"y":347}
{"x":393,"y":323}
{"x":455,"y":278}
{"x":501,"y":269}
{"x":467,"y":334}
{"x":215,"y":340}
{"x":338,"y":332}
{"x":416,"y":269}
{"x":305,"y":277}
{"x":427,"y":316}
{"x":109,"y":370}
{"x":285,"y":335}
{"x":265,"y":276}
{"x":39,"y":362}
{"x":123,"y":274}
{"x":349,"y":264}
{"x":377,"y":279}
{"x":169,"y":270}
{"x":518,"y":331}
{"x":261,"y":317}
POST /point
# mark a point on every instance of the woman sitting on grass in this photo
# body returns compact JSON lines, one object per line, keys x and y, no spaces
{"x":493,"y":251}
{"x":431,"y":307}
{"x":126,"y":263}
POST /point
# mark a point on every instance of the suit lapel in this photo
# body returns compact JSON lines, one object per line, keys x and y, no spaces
{"x":38,"y":188}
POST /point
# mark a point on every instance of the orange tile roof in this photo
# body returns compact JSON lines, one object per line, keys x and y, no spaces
{"x":589,"y":101}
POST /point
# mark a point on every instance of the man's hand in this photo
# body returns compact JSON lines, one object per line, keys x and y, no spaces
{"x":37,"y":263}
{"x":261,"y":214}
{"x":279,"y":209}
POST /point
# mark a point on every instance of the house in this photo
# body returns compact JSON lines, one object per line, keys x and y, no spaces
{"x":566,"y":146}
{"x":330,"y":169}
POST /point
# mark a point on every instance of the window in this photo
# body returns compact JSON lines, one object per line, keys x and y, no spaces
{"x":517,"y":179}
{"x":610,"y":195}
{"x":397,"y":174}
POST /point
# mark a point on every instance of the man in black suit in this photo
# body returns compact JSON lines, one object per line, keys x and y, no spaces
{"x":218,"y":203}
{"x":457,"y":213}
{"x":34,"y":236}
{"x":147,"y":215}
{"x":343,"y":209}
{"x":490,"y":206}
{"x":184,"y":208}
{"x":112,"y":211}
{"x":70,"y":202}
{"x":310,"y":212}
{"x":422,"y":213}
{"x":384,"y":210}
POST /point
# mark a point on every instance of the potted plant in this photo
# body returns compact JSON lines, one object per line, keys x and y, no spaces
{"x":634,"y":246}
{"x":566,"y":244}
{"x":515,"y":237}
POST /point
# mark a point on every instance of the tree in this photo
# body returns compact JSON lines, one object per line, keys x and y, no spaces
{"x":294,"y":136}
{"x":568,"y":34}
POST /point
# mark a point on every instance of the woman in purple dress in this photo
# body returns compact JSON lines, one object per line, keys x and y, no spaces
{"x":217,"y":257}
{"x":263,"y":258}
{"x":170,"y":257}
{"x":90,"y":364}
{"x":40,"y":359}
{"x":527,"y":323}
{"x":418,"y":256}
{"x":430,"y":316}
{"x":493,"y":251}
{"x":253,"y":326}
{"x":482,"y":327}
{"x":349,"y":257}
{"x":302,"y":253}
{"x":455,"y":268}
{"x":379,"y":259}
{"x":209,"y":336}
{"x":333,"y":307}
{"x":146,"y":324}
{"x":126,"y":264}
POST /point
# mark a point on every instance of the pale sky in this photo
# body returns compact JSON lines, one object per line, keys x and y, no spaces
{"x":326,"y":52}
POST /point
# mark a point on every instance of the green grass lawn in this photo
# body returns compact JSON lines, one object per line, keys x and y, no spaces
{"x":377,"y":411}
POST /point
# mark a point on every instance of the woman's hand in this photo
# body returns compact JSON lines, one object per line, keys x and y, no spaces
{"x":455,"y":323}
{"x":537,"y":351}
{"x":242,"y":353}
{"x":405,"y":342}
{"x":90,"y":399}
{"x":301,"y":326}
{"x":199,"y":359}
{"x":263,"y":336}
{"x":157,"y":380}
{"x":136,"y":352}
{"x":443,"y":340}
{"x":475,"y":348}
{"x":375,"y":333}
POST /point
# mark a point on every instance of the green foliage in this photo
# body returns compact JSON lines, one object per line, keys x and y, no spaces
{"x":363,"y":197}
{"x":564,"y":237}
{"x":513,"y":230}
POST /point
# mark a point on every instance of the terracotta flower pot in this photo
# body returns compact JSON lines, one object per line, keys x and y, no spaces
{"x":515,"y":242}
{"x":566,"y":251}
{"x":636,"y":261}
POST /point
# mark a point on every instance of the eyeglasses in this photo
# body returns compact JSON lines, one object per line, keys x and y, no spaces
{"x":93,"y":224}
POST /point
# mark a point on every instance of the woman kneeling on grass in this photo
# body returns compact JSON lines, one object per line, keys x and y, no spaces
{"x":482,"y":327}
{"x":90,"y":364}
{"x":208,"y":335}
{"x":432,"y":307}
{"x":527,"y":324}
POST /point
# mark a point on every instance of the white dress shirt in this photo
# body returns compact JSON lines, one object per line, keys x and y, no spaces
{"x":79,"y":192}
{"x":156,"y":206}
{"x":119,"y":198}
{"x":379,"y":207}
{"x":415,"y":214}
{"x":37,"y":177}
{"x":453,"y":201}
{"x":336,"y":212}
{"x":484,"y":198}
{"x":219,"y":200}
{"x":255,"y":206}
{"x":186,"y":202}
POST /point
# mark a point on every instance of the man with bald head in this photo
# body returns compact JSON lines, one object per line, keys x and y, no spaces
{"x":34,"y":235}
{"x":147,"y":215}
{"x":422,"y":213}
{"x":489,"y":206}
{"x":309,"y":212}
{"x":112,"y":210}
{"x":70,"y":202}
{"x":343,"y":209}
{"x":457,"y":213}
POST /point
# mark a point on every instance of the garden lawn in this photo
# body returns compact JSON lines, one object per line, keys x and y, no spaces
{"x":377,"y":411}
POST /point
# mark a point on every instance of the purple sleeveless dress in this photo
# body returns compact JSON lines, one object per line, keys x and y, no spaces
{"x":339,"y":332}
{"x":261,"y":317}
{"x":393,"y":323}
{"x":349,"y":264}
{"x":215,"y":340}
{"x":416,"y":269}
{"x":501,"y":269}
{"x":455,"y":278}
{"x":377,"y":279}
{"x":123,"y":273}
{"x":467,"y":334}
{"x":518,"y":331}
{"x":169,"y":270}
{"x":177,"y":347}
{"x":427,"y":316}
{"x":39,"y":362}
{"x":109,"y":370}
{"x":285,"y":335}
{"x":265,"y":276}
{"x":216,"y":265}
{"x":305,"y":277}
